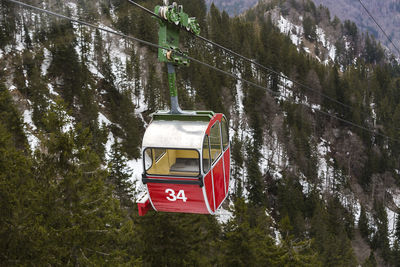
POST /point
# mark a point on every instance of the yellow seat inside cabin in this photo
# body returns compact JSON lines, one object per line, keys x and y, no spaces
{"x":174,"y":162}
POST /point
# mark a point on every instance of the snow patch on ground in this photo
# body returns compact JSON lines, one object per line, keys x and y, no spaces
{"x":51,"y":89}
{"x":305,"y":184}
{"x":276,"y":234}
{"x":296,"y":35}
{"x":95,"y":71}
{"x":136,"y":179}
{"x":25,"y":72}
{"x":110,"y":142}
{"x":371,"y":225}
{"x":321,"y":37}
{"x":285,"y":88}
{"x":103,"y":120}
{"x":333,"y":181}
{"x":274,"y":158}
{"x":395,"y":193}
{"x":73,"y":8}
{"x":357,"y":211}
{"x":19,"y":39}
{"x":350,"y":202}
{"x":245,"y":137}
{"x":288,"y":28}
{"x":118,"y":66}
{"x":373,"y":112}
{"x":29,"y":128}
{"x":46,"y":62}
{"x":332,"y":52}
{"x":223,"y":215}
{"x":315,"y":107}
{"x":325,"y":171}
{"x":239,"y":94}
{"x":391,"y":215}
{"x":392,"y":219}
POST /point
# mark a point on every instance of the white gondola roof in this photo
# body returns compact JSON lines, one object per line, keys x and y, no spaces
{"x":175,"y":134}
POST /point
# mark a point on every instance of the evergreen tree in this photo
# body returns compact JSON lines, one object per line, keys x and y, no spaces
{"x":380,"y":239}
{"x":296,"y":253}
{"x":119,"y":175}
{"x":65,"y":64}
{"x":20,"y":229}
{"x":395,"y":259}
{"x":255,"y":184}
{"x":98,"y":48}
{"x":247,"y":240}
{"x":152,"y":93}
{"x":363,"y":224}
{"x":237,"y":157}
{"x":173,"y":239}
{"x":237,"y":246}
{"x":370,"y":261}
{"x":82,"y":220}
{"x":10,"y":118}
{"x":397,"y":228}
{"x":137,"y":79}
{"x":309,"y":29}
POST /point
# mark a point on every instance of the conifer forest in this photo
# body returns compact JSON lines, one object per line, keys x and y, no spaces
{"x":315,"y":147}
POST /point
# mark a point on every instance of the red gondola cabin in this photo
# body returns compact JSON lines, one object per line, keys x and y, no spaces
{"x":186,"y":161}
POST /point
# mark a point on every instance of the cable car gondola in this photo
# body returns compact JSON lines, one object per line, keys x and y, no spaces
{"x":187,"y":162}
{"x":186,"y":154}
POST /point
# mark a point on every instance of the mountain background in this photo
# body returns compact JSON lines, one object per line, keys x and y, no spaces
{"x":387,"y":14}
{"x":234,"y":7}
{"x":307,"y":188}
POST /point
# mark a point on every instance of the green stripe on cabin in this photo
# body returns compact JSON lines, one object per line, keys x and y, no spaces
{"x":198,"y":116}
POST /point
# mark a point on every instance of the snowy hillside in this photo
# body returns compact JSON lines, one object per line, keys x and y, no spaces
{"x":300,"y":171}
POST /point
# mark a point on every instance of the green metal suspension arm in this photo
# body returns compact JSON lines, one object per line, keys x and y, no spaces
{"x":173,"y":19}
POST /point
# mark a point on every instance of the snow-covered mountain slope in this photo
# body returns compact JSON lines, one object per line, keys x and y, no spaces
{"x":232,"y":7}
{"x":386,"y":13}
{"x":277,"y":160}
{"x":297,"y":36}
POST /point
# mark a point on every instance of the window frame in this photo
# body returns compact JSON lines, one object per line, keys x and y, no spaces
{"x":144,"y":160}
{"x":213,"y":162}
{"x":209,"y":154}
{"x":224,"y":120}
{"x":173,"y":176}
{"x":161,"y":155}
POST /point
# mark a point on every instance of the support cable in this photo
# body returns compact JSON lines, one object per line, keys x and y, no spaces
{"x":199,"y":62}
{"x":251,"y":61}
{"x":379,"y":26}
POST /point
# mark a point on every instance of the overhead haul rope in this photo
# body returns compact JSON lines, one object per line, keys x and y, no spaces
{"x":139,"y":41}
{"x":252,"y":61}
{"x":199,"y":62}
{"x":264,"y":67}
{"x":379,"y":26}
